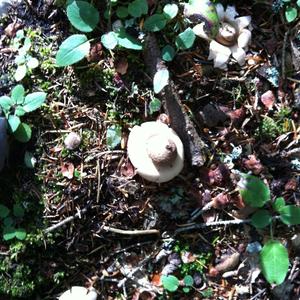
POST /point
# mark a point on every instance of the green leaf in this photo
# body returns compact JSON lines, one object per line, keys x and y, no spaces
{"x":122,"y":12}
{"x":18,"y":211}
{"x":188,"y":280}
{"x":20,"y":233}
{"x":298,"y":3}
{"x":14,"y":122}
{"x":8,"y":222}
{"x":27,"y":45}
{"x":113,"y":136}
{"x":278,"y":204}
{"x":109,"y":40}
{"x":6,"y":103}
{"x":186,"y":290}
{"x":170,"y":283}
{"x":32,"y":63}
{"x":261,"y":218}
{"x":155,"y":23}
{"x":8,"y":233}
{"x":20,"y":59}
{"x":4,"y":211}
{"x":82,"y":15}
{"x":160,"y":80}
{"x":168,"y":53}
{"x":274,"y":262}
{"x":185,"y":40}
{"x":127,"y":41}
{"x":72,"y":50}
{"x":290,"y":214}
{"x":17,"y":94}
{"x":20,"y":72}
{"x":19,"y":111}
{"x":154,"y":105}
{"x":137,"y":8}
{"x":170,"y":11}
{"x":290,"y":14}
{"x":23,"y":133}
{"x":34,"y":101}
{"x":253,"y":190}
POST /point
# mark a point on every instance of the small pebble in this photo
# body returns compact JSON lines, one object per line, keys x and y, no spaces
{"x":72,"y":141}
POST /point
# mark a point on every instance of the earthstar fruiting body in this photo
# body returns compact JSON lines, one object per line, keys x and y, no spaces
{"x":233,"y":37}
{"x":155,"y":151}
{"x":79,"y":293}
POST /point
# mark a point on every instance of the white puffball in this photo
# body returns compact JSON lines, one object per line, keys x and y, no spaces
{"x":72,"y":141}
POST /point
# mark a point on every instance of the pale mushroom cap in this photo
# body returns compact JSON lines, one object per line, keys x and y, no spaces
{"x":138,"y":149}
{"x":79,"y":293}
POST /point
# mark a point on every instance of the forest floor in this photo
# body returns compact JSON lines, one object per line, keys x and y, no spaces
{"x":85,"y":218}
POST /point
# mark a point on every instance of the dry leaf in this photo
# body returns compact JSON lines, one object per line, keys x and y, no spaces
{"x":268,"y":99}
{"x":121,"y":66}
{"x":67,"y":170}
{"x":253,"y":164}
{"x":229,"y":263}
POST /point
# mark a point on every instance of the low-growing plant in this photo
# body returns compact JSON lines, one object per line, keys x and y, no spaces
{"x":16,"y":106}
{"x":24,"y":60}
{"x":290,"y":7}
{"x":274,"y":258}
{"x":134,"y":15}
{"x":10,"y":222}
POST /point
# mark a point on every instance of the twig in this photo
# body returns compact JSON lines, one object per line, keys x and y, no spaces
{"x":283,"y":54}
{"x":217,"y":223}
{"x":208,"y":224}
{"x":199,"y":212}
{"x":130,"y":232}
{"x":66,"y":221}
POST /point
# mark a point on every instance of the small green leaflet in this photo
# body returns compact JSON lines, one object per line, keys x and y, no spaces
{"x":20,"y":72}
{"x":278,"y":204}
{"x":138,"y":8}
{"x":274,"y":262}
{"x":20,"y":233}
{"x":72,"y":50}
{"x":261,"y":218}
{"x":170,"y":283}
{"x":155,"y":23}
{"x":168,"y":53}
{"x":160,"y":80}
{"x":186,"y":39}
{"x":18,"y":211}
{"x":8,"y":233}
{"x":82,"y":15}
{"x":14,"y":122}
{"x":33,"y":101}
{"x":113,"y":136}
{"x":290,"y":14}
{"x":17,"y":94}
{"x":4,"y":211}
{"x":290,"y":214}
{"x":127,"y":41}
{"x":109,"y":40}
{"x":188,"y":280}
{"x":122,"y":12}
{"x":23,"y":133}
{"x":6,"y":103}
{"x":170,"y":11}
{"x":154,"y":105}
{"x":253,"y":190}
